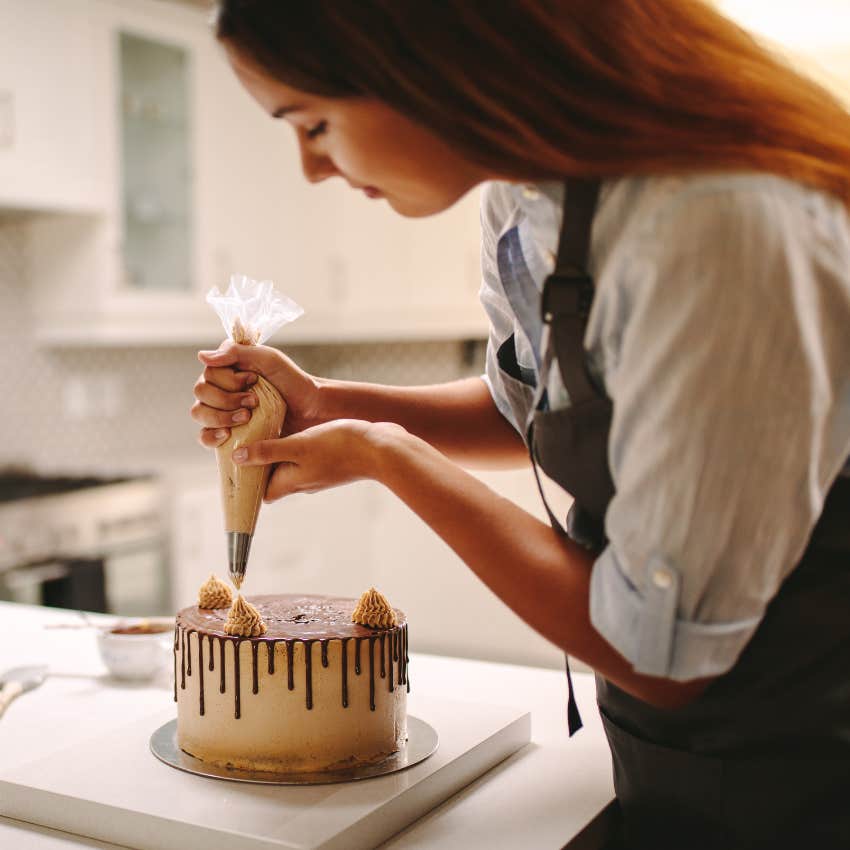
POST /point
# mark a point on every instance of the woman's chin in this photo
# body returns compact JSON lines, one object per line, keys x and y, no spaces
{"x":418,"y":208}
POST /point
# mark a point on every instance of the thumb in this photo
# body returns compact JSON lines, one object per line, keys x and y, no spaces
{"x":264,"y":452}
{"x":247,"y":358}
{"x":225,"y":355}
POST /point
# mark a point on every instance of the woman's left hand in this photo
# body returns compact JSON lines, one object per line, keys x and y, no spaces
{"x":317,"y":458}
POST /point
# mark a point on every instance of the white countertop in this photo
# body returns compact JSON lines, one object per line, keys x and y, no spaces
{"x":542,"y":797}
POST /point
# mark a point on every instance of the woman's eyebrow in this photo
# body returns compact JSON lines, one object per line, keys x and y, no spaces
{"x":285,"y":110}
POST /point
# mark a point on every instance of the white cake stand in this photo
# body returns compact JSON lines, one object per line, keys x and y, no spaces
{"x":422,"y":742}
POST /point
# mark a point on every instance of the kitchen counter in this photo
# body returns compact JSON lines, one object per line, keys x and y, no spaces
{"x":554,"y":793}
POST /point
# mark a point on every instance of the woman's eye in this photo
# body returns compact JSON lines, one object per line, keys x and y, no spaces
{"x":320,"y":128}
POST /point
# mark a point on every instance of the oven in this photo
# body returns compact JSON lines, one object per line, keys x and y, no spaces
{"x":93,"y":544}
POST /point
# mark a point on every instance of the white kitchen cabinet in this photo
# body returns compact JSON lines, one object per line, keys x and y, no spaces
{"x":138,"y":273}
{"x":104,"y":279}
{"x":50,"y":146}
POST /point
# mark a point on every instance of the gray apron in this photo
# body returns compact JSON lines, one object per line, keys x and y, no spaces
{"x":762,"y":758}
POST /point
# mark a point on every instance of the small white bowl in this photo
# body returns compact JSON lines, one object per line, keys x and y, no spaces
{"x":138,"y":655}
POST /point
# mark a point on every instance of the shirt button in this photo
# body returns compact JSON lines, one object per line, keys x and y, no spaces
{"x":530,"y":193}
{"x":662,"y":579}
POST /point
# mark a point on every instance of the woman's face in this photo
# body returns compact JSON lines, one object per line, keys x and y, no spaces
{"x":371,"y":146}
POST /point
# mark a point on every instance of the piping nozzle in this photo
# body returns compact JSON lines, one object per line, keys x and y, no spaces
{"x":238,"y":547}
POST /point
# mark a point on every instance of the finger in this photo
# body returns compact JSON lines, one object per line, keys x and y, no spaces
{"x":264,"y":452}
{"x":212,"y":396}
{"x":212,"y":438}
{"x":284,"y":481}
{"x":228,"y":379}
{"x":252,"y":358}
{"x":225,"y":355}
{"x":209,"y":417}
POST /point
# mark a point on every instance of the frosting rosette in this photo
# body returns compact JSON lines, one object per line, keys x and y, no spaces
{"x":214,"y":593}
{"x":244,"y":619}
{"x":373,"y":610}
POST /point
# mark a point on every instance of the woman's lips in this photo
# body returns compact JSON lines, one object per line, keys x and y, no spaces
{"x":369,"y":191}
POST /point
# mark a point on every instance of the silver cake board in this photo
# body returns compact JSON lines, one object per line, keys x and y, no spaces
{"x":422,"y":741}
{"x":116,"y":790}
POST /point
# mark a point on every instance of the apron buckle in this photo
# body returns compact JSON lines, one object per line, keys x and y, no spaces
{"x":568,"y":293}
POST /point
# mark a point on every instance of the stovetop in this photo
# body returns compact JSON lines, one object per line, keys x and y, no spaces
{"x":16,"y":485}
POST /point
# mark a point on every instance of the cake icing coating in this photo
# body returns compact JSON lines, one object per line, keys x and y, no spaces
{"x":289,"y":617}
{"x":314,"y":692}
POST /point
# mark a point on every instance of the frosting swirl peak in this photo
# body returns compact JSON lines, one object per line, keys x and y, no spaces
{"x":374,"y":610}
{"x":244,"y":619}
{"x":214,"y":593}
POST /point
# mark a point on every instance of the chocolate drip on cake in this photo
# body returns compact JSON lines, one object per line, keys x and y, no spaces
{"x":254,"y":647}
{"x":308,"y":664}
{"x":201,"y":670}
{"x":236,"y":676}
{"x":290,"y":673}
{"x":289,"y":619}
{"x":221,"y":664}
{"x":372,"y":673}
{"x":344,"y":658}
{"x":183,"y":659}
{"x":406,"y":659}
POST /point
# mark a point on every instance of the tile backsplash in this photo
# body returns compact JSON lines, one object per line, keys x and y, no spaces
{"x":88,"y":409}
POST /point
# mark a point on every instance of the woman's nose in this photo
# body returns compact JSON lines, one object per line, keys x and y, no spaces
{"x":316,"y":166}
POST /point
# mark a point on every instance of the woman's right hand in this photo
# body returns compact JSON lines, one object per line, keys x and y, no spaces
{"x":223,"y":394}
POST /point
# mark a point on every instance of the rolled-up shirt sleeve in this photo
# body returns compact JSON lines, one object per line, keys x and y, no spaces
{"x":731,"y":393}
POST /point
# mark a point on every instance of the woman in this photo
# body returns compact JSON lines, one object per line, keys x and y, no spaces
{"x":666,"y":264}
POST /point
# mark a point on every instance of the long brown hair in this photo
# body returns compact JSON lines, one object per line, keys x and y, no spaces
{"x":542,"y":89}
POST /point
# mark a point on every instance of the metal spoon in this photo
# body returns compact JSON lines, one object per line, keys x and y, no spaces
{"x":18,"y":680}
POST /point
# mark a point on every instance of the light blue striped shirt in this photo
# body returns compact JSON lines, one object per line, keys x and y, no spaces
{"x":721,"y":331}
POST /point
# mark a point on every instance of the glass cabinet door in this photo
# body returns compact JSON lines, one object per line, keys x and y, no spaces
{"x":156,"y":164}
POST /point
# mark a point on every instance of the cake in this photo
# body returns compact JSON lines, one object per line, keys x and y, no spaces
{"x":303,"y":688}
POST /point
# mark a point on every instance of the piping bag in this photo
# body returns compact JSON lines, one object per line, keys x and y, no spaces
{"x":250,"y":311}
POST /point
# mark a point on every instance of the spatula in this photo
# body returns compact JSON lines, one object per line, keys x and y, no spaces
{"x":16,"y":681}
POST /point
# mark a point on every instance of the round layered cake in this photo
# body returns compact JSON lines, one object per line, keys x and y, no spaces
{"x":315,"y":692}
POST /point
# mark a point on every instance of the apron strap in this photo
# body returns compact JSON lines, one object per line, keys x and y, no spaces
{"x":581,"y":196}
{"x":556,"y":524}
{"x":565,"y":303}
{"x":574,"y":721}
{"x":568,"y":291}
